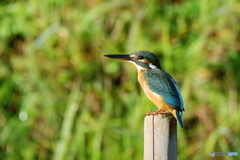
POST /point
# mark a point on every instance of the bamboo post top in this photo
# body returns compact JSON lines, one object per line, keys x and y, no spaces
{"x":160,"y":137}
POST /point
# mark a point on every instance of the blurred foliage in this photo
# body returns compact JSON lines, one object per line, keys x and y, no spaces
{"x":61,"y":99}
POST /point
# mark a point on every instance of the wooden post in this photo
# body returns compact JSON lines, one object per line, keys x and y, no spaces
{"x":160,"y":137}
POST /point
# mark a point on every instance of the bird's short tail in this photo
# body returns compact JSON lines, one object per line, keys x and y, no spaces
{"x":179,"y":117}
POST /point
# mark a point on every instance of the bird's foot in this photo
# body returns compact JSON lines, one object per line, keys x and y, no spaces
{"x":164,"y":113}
{"x":159,"y":111}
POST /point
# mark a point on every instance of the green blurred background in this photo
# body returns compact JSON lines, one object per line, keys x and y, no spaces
{"x":60,"y":98}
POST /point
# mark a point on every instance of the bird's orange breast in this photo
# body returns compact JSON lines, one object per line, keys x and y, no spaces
{"x":154,"y":97}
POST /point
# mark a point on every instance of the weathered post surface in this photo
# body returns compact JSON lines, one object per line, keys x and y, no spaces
{"x":160,"y":137}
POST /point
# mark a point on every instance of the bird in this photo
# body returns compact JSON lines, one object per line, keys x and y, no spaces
{"x":158,"y":85}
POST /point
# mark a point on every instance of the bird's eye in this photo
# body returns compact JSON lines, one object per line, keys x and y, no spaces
{"x":140,"y":57}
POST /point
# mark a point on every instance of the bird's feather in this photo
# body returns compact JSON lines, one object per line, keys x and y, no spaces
{"x":163,"y":84}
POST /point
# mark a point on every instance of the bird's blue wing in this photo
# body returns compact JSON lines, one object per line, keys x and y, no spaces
{"x":163,"y":84}
{"x":178,"y":91}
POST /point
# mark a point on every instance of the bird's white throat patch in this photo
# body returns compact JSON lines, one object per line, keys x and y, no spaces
{"x":142,"y":68}
{"x":139,"y":68}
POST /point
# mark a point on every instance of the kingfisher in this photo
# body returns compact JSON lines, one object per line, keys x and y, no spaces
{"x":157,"y":84}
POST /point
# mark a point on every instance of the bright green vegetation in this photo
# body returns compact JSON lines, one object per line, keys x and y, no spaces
{"x":60,"y":98}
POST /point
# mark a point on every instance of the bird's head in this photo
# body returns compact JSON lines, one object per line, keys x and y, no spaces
{"x":143,"y":60}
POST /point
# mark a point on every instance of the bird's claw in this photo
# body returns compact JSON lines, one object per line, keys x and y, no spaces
{"x":159,"y":111}
{"x":164,"y":113}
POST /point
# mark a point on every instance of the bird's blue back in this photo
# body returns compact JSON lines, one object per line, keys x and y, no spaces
{"x":163,"y":84}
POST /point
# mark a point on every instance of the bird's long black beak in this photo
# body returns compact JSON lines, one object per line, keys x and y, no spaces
{"x":120,"y":56}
